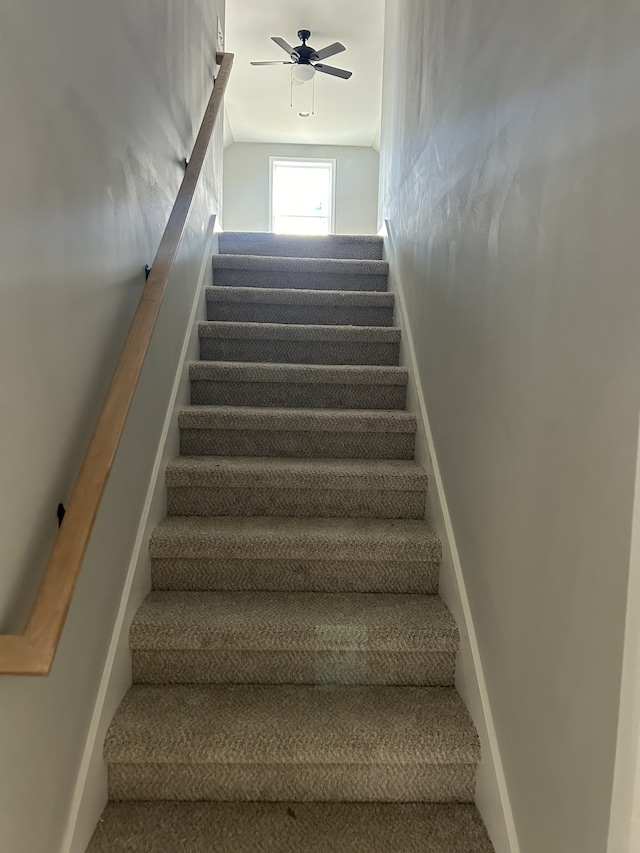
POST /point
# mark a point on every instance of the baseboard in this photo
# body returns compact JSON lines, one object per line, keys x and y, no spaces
{"x":624,"y":820}
{"x":90,"y":794}
{"x":492,"y":797}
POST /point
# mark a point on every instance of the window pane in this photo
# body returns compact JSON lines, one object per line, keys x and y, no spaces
{"x":302,"y":191}
{"x":301,"y":196}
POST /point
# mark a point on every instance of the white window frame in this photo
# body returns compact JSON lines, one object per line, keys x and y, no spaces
{"x":305,"y":160}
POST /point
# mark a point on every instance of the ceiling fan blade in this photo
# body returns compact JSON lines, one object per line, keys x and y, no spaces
{"x":335,"y":72}
{"x":273,"y":63}
{"x":330,"y":50}
{"x":283,"y":44}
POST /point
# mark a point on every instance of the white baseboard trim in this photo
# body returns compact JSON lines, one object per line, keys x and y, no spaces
{"x":492,"y":797}
{"x":90,"y":793}
{"x":624,"y":820}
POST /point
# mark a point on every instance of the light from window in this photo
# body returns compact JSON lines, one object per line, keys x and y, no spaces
{"x":301,"y":196}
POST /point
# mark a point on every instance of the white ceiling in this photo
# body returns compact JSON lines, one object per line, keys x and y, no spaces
{"x":347,"y":112}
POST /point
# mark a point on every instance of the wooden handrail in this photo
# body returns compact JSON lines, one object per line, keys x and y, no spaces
{"x":32,"y":652}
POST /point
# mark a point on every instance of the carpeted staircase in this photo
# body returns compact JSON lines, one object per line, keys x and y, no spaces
{"x":293,"y":666}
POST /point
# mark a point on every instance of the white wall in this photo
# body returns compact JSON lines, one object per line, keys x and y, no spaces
{"x":175,"y":343}
{"x":100,"y":101}
{"x":246,"y":185}
{"x":510,"y":180}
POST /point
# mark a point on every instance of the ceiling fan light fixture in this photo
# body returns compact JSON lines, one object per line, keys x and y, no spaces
{"x":303,"y":73}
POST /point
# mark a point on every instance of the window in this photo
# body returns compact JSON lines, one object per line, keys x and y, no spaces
{"x":302,"y":194}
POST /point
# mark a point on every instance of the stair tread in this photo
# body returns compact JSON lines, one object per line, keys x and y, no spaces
{"x":268,"y":621}
{"x":296,"y":296}
{"x":201,"y":827}
{"x":298,"y":332}
{"x":280,"y":472}
{"x":301,"y":246}
{"x":331,"y":266}
{"x":295,"y":539}
{"x":237,"y":371}
{"x":292,"y":724}
{"x":309,"y":420}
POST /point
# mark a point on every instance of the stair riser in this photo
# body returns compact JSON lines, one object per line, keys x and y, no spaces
{"x":294,"y":575}
{"x":286,"y":782}
{"x":298,"y":352}
{"x":298,"y":395}
{"x":197,"y":666}
{"x":279,"y":246}
{"x":163,"y":827}
{"x":296,"y":503}
{"x":284,"y":443}
{"x":298,"y":280}
{"x":324,"y":315}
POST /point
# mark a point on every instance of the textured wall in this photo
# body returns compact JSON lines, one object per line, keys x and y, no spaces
{"x":99,"y":103}
{"x":246,"y":185}
{"x":510,"y":178}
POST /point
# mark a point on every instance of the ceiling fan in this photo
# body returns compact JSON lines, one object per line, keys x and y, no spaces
{"x":307,"y":59}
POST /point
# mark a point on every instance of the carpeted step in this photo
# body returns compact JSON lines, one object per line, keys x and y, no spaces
{"x":324,"y":488}
{"x":281,"y":305}
{"x":293,"y":665}
{"x":318,"y":433}
{"x":293,"y":638}
{"x":307,"y":273}
{"x":297,"y":344}
{"x":290,"y":827}
{"x":298,"y":386}
{"x":282,"y":742}
{"x":304,"y":554}
{"x":355,"y":246}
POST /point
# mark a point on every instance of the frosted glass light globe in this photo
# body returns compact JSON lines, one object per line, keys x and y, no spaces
{"x":303,"y":73}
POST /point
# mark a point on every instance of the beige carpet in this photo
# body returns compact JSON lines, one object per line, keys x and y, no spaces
{"x":294,"y":666}
{"x":290,"y":828}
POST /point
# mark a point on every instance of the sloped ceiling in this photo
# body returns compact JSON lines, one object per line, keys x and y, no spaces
{"x":347,"y":112}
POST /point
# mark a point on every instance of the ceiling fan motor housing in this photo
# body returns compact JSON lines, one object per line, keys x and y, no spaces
{"x":302,"y":54}
{"x":305,"y":55}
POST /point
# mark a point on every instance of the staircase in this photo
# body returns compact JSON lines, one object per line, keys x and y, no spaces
{"x":293,"y":666}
